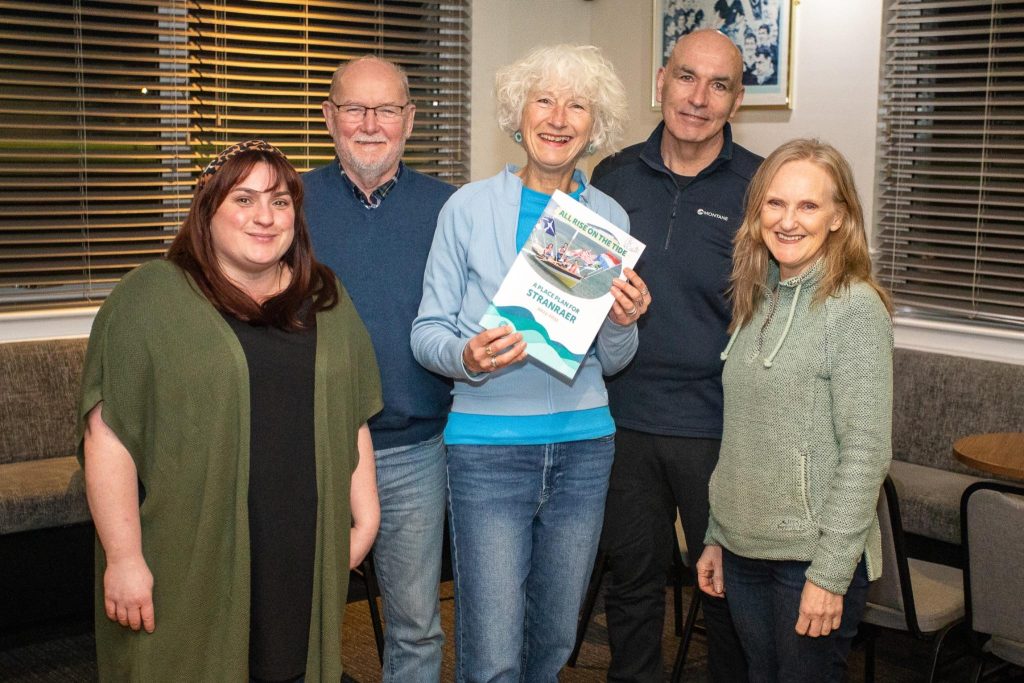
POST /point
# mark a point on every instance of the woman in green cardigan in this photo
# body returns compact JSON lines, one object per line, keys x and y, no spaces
{"x":228,"y":464}
{"x":792,"y":536}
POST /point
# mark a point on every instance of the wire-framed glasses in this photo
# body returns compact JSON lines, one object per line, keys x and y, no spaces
{"x":354,"y":113}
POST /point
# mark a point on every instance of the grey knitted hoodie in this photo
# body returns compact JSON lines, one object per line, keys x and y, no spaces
{"x":808,"y":430}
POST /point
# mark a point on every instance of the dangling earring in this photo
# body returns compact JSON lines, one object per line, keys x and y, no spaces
{"x":591,"y":148}
{"x":518,"y":137}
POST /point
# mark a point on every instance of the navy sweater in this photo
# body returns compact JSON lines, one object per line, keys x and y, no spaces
{"x":673,"y":386}
{"x":379,"y":255}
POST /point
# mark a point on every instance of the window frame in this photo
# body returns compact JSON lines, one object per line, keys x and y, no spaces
{"x":918,"y":173}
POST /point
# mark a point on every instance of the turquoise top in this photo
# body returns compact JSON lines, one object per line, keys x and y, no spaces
{"x":573,"y":425}
{"x":473,"y":249}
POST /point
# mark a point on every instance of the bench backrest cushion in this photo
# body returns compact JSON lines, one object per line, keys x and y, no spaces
{"x":39,"y":385}
{"x":938,"y":398}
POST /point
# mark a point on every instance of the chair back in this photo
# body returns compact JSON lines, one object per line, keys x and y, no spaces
{"x":892,"y":591}
{"x":992,"y":528}
{"x":939,"y":606}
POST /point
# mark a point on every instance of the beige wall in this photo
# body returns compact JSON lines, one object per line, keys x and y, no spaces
{"x":504,"y":30}
{"x":836,"y":54}
{"x":836,"y":51}
{"x":835,"y":65}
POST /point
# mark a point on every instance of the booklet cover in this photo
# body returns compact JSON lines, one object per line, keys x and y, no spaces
{"x":558,"y":291}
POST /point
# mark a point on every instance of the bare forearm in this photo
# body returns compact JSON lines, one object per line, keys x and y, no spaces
{"x":364,"y":501}
{"x":111,"y":487}
{"x":359,"y":543}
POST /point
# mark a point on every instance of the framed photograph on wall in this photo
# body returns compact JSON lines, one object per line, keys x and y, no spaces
{"x":761,"y":29}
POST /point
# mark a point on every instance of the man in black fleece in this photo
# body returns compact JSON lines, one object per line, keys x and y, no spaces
{"x":684,"y":191}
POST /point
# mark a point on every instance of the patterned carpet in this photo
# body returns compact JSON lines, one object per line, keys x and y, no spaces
{"x":591,"y":666}
{"x":900,"y":659}
{"x":65,"y":653}
{"x":62,"y":653}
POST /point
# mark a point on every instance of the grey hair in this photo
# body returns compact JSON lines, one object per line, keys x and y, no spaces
{"x":340,"y":71}
{"x":582,"y":70}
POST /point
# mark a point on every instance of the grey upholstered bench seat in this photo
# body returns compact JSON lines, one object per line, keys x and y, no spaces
{"x":936,"y":400}
{"x":38,"y":494}
{"x":930,"y":499}
{"x":41,"y":483}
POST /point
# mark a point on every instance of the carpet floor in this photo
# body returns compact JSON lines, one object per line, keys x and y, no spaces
{"x":65,"y":653}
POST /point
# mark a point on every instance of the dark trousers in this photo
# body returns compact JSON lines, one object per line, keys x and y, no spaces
{"x":652,"y":477}
{"x":765,"y":599}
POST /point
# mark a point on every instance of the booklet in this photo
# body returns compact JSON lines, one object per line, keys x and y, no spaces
{"x":558,"y":291}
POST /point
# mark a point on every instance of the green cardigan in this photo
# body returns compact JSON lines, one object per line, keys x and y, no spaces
{"x":808,"y":431}
{"x":175,"y":389}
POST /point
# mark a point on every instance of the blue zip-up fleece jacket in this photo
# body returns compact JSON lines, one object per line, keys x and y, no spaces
{"x":673,"y":387}
{"x":473,"y":250}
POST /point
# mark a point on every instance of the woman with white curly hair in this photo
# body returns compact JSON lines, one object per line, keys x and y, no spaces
{"x":529,"y":454}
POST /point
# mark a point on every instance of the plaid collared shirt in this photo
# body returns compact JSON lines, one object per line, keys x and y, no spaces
{"x":378,"y":195}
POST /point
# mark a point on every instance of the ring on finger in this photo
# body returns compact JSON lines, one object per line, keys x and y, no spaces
{"x":494,"y":363}
{"x":489,"y":351}
{"x":633,"y":311}
{"x":644,"y":292}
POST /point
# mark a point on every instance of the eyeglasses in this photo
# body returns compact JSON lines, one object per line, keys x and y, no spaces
{"x":385,"y":113}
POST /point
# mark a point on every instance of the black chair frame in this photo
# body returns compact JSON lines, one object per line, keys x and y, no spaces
{"x":368,"y":574}
{"x":679,"y":579}
{"x":696,"y":599}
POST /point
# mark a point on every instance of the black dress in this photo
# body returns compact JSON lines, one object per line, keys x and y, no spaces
{"x":282,"y":496}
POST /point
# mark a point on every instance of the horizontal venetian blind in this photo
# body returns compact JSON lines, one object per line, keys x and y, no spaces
{"x":951,"y":222}
{"x":109,"y":110}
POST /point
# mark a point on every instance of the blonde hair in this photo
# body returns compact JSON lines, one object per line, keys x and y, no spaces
{"x":845,"y":251}
{"x":580,"y":69}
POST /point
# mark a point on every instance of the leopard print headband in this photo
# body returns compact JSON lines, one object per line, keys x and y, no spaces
{"x":235,"y":150}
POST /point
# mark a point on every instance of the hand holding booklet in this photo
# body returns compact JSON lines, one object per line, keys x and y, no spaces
{"x":558,"y":291}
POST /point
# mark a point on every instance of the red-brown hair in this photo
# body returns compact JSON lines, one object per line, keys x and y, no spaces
{"x":312,"y":287}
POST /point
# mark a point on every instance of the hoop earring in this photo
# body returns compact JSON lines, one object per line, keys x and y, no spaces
{"x":591,"y":148}
{"x":518,"y":137}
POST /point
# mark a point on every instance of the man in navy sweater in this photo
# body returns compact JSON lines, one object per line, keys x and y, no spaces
{"x":684,"y":191}
{"x":372,"y":220}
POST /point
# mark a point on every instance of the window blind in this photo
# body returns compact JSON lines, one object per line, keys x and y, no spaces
{"x":109,"y":111}
{"x":951,"y":197}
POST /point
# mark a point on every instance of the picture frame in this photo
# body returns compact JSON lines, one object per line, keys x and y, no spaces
{"x":765,"y":42}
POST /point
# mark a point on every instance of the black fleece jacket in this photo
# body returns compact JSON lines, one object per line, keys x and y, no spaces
{"x":673,"y":386}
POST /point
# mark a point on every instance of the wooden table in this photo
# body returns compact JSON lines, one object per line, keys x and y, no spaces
{"x":1000,"y":453}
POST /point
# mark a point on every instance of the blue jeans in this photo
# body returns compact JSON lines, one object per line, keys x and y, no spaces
{"x":407,"y":556}
{"x":525,"y":521}
{"x":764,"y":598}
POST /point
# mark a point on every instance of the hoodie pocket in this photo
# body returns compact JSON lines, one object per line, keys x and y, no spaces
{"x":805,"y":497}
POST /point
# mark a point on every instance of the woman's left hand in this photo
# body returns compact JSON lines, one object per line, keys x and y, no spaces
{"x":710,"y":576}
{"x":820,"y":611}
{"x":632,"y":298}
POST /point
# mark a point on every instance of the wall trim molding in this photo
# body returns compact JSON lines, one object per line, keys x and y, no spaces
{"x":47,"y":324}
{"x":957,"y":339}
{"x":952,"y":339}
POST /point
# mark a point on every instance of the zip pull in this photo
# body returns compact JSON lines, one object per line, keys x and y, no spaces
{"x":672,"y":220}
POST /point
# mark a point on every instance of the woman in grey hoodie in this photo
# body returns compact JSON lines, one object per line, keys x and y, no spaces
{"x":793,"y":536}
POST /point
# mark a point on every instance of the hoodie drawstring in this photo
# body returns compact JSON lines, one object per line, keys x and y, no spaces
{"x":785,"y":330}
{"x":728,"y":347}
